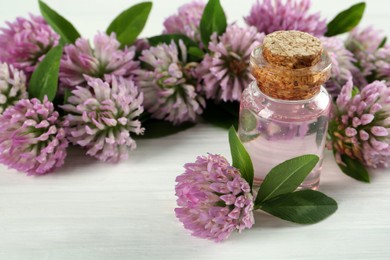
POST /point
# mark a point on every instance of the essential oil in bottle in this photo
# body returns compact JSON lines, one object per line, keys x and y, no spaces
{"x":284,"y":113}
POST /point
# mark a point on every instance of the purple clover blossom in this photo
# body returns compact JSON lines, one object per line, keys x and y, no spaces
{"x":32,"y":138}
{"x":169,"y":84}
{"x":382,"y":63}
{"x":102,"y":116}
{"x":270,"y":16}
{"x":12,"y":86}
{"x":364,"y":40}
{"x":363,"y":124}
{"x":25,"y":42}
{"x":106,"y":58}
{"x":342,"y":64}
{"x":186,"y":21}
{"x":225,"y":71}
{"x":364,"y":44}
{"x":213,"y":199}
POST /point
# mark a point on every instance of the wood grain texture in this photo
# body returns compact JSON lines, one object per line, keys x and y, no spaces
{"x":91,"y":210}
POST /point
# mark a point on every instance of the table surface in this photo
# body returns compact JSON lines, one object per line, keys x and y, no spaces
{"x":92,"y":210}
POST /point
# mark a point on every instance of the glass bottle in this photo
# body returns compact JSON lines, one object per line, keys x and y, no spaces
{"x":284,"y":113}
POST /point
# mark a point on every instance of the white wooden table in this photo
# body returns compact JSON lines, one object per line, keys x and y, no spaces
{"x":91,"y":210}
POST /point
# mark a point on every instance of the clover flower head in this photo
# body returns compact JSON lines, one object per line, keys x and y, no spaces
{"x":104,"y":59}
{"x":102,"y":116}
{"x":269,"y":16}
{"x":363,"y":124}
{"x":213,"y":199}
{"x":25,"y":42}
{"x":168,"y":83}
{"x":32,"y":138}
{"x":342,"y":64}
{"x":225,"y":72}
{"x":186,"y":21}
{"x":12,"y":86}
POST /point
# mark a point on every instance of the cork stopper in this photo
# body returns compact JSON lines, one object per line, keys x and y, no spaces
{"x":292,"y":49}
{"x":290,"y":65}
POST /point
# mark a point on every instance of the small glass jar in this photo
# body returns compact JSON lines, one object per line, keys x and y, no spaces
{"x":285,"y":114}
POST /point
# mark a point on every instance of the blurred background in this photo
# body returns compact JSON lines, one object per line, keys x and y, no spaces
{"x":92,"y":16}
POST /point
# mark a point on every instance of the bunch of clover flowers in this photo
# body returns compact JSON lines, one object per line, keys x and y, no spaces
{"x":174,"y":88}
{"x":35,"y":131}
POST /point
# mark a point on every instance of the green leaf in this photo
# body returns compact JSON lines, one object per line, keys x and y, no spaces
{"x":195,"y":54}
{"x":383,"y":42}
{"x":213,"y":20}
{"x":353,"y":168}
{"x":346,"y":20}
{"x":44,"y":80}
{"x":159,"y":128}
{"x":63,"y":27}
{"x":168,"y":38}
{"x":130,"y":23}
{"x":217,"y":115}
{"x":286,"y":177}
{"x":240,"y":157}
{"x":303,"y":207}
